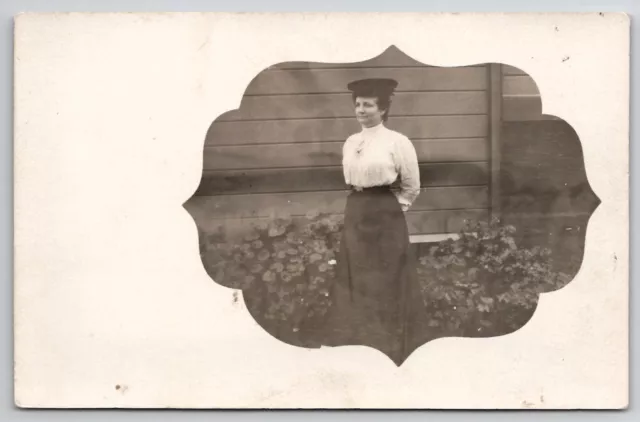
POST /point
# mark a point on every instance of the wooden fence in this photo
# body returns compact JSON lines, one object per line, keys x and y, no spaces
{"x":280,"y":152}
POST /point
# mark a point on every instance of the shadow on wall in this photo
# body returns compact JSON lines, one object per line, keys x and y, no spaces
{"x":545,"y":193}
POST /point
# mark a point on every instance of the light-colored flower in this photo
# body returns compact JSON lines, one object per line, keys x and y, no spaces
{"x":323,"y":267}
{"x":292,"y":251}
{"x":286,"y":277}
{"x":332,"y":262}
{"x":264,"y":255}
{"x":277,"y":267}
{"x":257,"y":244}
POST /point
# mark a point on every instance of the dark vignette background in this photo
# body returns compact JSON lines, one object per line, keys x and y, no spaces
{"x":9,"y":8}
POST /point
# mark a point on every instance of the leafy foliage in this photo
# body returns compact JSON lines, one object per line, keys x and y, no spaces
{"x":481,"y":283}
{"x":287,"y":265}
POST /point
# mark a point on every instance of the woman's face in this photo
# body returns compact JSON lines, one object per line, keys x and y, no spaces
{"x":367,"y":111}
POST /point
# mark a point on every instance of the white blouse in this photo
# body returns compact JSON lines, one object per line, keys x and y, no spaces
{"x":377,"y":156}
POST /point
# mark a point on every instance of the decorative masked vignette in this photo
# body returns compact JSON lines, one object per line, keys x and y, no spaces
{"x":500,"y":216}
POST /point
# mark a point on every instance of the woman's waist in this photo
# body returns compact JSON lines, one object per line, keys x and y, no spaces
{"x":375,"y":188}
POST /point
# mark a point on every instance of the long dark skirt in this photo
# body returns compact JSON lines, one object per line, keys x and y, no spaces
{"x":375,"y":276}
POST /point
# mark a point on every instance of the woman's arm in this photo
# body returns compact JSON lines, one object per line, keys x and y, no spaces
{"x":346,"y":157}
{"x":406,"y":161}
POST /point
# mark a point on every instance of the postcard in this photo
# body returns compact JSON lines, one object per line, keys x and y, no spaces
{"x":322,"y":210}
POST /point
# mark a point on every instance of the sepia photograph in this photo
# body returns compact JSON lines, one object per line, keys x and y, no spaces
{"x":388,"y":202}
{"x":268,"y":211}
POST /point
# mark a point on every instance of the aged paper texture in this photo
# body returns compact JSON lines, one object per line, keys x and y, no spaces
{"x":113,"y":306}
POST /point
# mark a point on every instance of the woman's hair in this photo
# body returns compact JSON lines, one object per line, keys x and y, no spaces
{"x":383,"y":102}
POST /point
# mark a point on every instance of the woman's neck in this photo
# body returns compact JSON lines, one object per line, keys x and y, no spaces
{"x":373,"y":128}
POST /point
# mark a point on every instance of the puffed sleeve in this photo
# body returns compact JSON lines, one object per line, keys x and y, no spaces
{"x":406,"y":162}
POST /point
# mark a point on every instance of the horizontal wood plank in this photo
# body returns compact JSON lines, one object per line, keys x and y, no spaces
{"x":519,"y":108}
{"x":300,"y":203}
{"x":330,"y":154}
{"x":314,"y":130}
{"x":336,"y":80}
{"x":519,"y":85}
{"x":311,"y":106}
{"x":523,"y":109}
{"x":418,"y":222}
{"x":329,"y":178}
{"x":512,"y":70}
{"x":390,"y":57}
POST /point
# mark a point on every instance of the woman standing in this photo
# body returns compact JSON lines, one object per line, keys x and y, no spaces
{"x":375,"y":269}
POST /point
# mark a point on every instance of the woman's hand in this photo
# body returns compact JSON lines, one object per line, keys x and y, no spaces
{"x":404,"y":207}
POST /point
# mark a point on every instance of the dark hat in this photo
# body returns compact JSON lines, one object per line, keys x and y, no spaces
{"x":373,"y":87}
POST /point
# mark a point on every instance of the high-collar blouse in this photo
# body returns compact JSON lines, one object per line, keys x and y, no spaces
{"x":380,"y":156}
